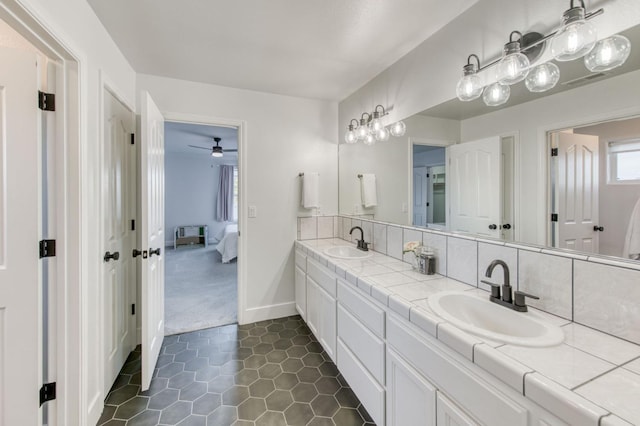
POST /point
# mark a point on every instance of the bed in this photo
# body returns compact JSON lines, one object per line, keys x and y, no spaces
{"x":228,"y":245}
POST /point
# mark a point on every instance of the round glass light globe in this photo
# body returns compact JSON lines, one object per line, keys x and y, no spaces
{"x":496,"y":94}
{"x":513,"y":68}
{"x":398,"y":128}
{"x":382,"y":135}
{"x":369,"y":140}
{"x":469,"y":88}
{"x":608,"y":53}
{"x":350,"y":137}
{"x":375,"y":125}
{"x":573,"y":41}
{"x":362,"y":132}
{"x":542,"y":77}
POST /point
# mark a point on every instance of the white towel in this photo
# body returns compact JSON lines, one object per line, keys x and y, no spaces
{"x":368,"y":190}
{"x":632,"y":240}
{"x":310,"y":190}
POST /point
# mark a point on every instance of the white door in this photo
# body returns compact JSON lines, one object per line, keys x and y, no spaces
{"x":475,"y":176}
{"x":20,"y":330}
{"x":420,"y":183}
{"x":577,"y":191}
{"x":119,"y":274}
{"x":411,"y":400}
{"x":151,"y":234}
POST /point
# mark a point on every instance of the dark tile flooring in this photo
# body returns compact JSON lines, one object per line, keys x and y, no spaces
{"x":269,"y":373}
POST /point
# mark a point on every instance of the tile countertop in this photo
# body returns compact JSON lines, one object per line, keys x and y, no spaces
{"x":590,"y":378}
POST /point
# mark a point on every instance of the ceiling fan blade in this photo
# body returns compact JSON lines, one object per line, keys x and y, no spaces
{"x":200,"y":147}
{"x":230,"y":150}
{"x":194,"y":132}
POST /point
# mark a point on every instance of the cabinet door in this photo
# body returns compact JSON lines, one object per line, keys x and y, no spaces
{"x":450,"y":415}
{"x":313,"y":307}
{"x":328,"y":323}
{"x":411,"y":399}
{"x":301,"y":292}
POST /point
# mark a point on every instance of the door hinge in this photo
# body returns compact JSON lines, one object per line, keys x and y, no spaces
{"x":554,"y":217}
{"x":133,"y":224}
{"x":47,"y":392}
{"x":47,"y":248}
{"x":46,"y":101}
{"x":427,"y":175}
{"x":133,"y":309}
{"x":554,"y":152}
{"x":133,"y":138}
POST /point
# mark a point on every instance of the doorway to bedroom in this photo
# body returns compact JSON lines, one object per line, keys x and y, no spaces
{"x":201,"y":226}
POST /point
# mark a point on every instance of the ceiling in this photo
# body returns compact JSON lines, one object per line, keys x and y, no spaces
{"x":178,"y":137}
{"x":317,"y":49}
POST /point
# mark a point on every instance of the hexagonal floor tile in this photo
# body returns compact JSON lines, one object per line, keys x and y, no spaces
{"x":261,"y":388}
{"x":271,"y":418}
{"x":324,"y":405}
{"x":235,"y":395}
{"x":299,"y":414}
{"x":304,"y":392}
{"x":291,"y":365}
{"x":276,"y":356}
{"x":348,"y":416}
{"x":223,"y":416}
{"x":255,"y":361}
{"x":131,"y":408}
{"x":206,"y":403}
{"x":251,"y":409}
{"x":286,"y":381}
{"x":308,"y":374}
{"x":194,"y":391}
{"x":163,"y":399}
{"x":246,"y":376}
{"x":175,"y":413}
{"x":269,"y":371}
{"x":279,"y":400}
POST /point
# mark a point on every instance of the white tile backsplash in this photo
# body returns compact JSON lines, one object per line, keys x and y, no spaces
{"x":407,"y":236}
{"x":462,"y":260}
{"x":325,"y":226}
{"x":607,"y":298}
{"x":308,"y":228}
{"x":394,"y":242}
{"x":346,"y":227}
{"x":367,"y":229}
{"x":438,"y":244}
{"x":380,"y":238}
{"x":490,"y":252}
{"x":548,"y":277}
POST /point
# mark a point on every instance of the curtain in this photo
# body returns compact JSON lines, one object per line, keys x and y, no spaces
{"x":224,"y":204}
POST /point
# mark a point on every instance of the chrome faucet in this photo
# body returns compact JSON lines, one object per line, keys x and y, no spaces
{"x":517,"y":302}
{"x":362,"y":245}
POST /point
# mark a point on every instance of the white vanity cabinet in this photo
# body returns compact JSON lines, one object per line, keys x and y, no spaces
{"x":301,"y":283}
{"x":321,"y":305}
{"x":449,"y":414}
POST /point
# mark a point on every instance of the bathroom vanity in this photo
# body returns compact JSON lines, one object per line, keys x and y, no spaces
{"x":408,"y":366}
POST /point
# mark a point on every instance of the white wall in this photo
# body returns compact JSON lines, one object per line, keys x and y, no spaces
{"x":624,"y":197}
{"x":598,"y":101}
{"x":285,"y":136}
{"x":74,"y":24}
{"x":390,"y":163}
{"x":191,"y":192}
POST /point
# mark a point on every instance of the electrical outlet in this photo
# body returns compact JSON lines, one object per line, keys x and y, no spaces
{"x":253,"y":211}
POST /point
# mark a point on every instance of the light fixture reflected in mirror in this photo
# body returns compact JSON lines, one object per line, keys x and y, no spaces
{"x":371,"y":128}
{"x":496,"y":94}
{"x":363,"y":130}
{"x":350,"y":136}
{"x":376,"y":122}
{"x":382,"y":135}
{"x":542,"y":77}
{"x":608,"y":53}
{"x":369,"y":139}
{"x":576,"y":37}
{"x":470,"y":86}
{"x":398,"y":129}
{"x":514,"y":65}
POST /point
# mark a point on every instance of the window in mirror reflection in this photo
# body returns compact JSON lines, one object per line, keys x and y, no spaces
{"x":429,"y":186}
{"x":595,"y":212}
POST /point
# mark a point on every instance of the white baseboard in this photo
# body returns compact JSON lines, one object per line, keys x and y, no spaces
{"x":269,"y":312}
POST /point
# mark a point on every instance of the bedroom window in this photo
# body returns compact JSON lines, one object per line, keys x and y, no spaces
{"x":624,"y":156}
{"x":235,"y":194}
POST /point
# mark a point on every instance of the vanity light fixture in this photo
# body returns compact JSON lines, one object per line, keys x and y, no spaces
{"x":371,"y":128}
{"x":576,"y":38}
{"x":514,"y":65}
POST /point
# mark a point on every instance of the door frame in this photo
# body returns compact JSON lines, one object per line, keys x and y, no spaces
{"x":107,"y":84}
{"x":411,"y":141}
{"x":241,"y":125}
{"x":544,"y":201}
{"x":67,"y":360}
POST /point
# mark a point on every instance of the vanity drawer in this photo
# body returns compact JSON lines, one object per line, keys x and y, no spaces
{"x":301,"y":260}
{"x":366,"y":311}
{"x":483,"y":401}
{"x":321,"y":275}
{"x":367,"y":389}
{"x":369,"y":349}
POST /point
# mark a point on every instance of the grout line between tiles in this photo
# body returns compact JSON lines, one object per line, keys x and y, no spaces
{"x":593,"y":378}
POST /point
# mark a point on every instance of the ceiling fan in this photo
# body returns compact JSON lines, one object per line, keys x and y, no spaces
{"x":217,"y":150}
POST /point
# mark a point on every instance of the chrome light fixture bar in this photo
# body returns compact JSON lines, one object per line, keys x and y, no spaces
{"x":576,"y":38}
{"x":371,"y":129}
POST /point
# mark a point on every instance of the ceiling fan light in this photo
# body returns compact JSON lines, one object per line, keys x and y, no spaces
{"x":608,"y":53}
{"x":496,"y":94}
{"x":543,"y":77}
{"x":216,"y":151}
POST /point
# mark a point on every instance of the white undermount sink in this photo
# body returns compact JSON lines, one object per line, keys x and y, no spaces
{"x":487,"y":319}
{"x":347,"y":252}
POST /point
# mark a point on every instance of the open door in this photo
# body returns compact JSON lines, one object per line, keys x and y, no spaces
{"x":577,"y":191}
{"x":420,"y":183}
{"x":151,"y":234}
{"x":475,"y":179}
{"x":20,"y":320}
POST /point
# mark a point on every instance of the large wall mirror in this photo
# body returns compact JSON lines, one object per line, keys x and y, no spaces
{"x":559,"y":168}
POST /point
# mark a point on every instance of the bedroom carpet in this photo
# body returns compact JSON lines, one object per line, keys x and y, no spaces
{"x":199,"y":291}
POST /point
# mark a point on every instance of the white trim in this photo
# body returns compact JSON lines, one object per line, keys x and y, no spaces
{"x":243,"y":314}
{"x":71,"y":213}
{"x":279,"y":310}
